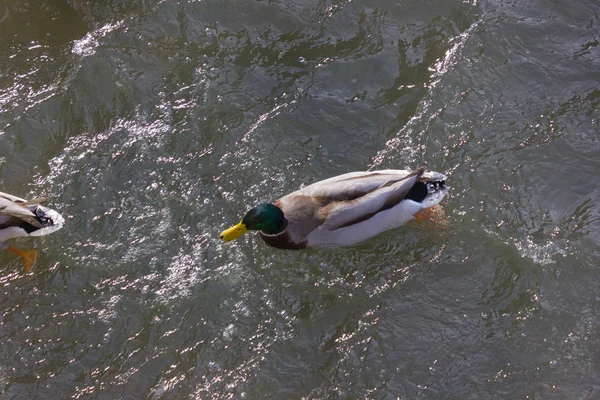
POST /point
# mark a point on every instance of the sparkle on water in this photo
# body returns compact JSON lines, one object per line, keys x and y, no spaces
{"x":155,"y":124}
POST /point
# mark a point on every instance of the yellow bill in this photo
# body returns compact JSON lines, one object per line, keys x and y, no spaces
{"x":234,"y":232}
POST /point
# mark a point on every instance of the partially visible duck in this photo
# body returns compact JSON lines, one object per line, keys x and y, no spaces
{"x":20,"y":217}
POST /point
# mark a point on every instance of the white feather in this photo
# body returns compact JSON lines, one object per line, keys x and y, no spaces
{"x":13,"y":207}
{"x":380,"y":222}
{"x":11,"y":233}
{"x":371,"y":203}
{"x":57,"y":223}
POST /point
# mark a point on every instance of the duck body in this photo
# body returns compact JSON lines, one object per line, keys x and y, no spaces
{"x":20,"y":217}
{"x":347,"y":209}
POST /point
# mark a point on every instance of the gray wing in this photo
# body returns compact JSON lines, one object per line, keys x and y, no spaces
{"x":354,"y":184}
{"x":348,"y":199}
{"x":346,"y":213}
{"x":15,"y":207}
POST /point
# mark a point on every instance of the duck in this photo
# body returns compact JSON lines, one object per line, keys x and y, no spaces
{"x":22,"y":218}
{"x":343,"y":210}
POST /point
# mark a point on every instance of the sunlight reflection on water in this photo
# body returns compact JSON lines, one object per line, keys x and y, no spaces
{"x":154,"y":125}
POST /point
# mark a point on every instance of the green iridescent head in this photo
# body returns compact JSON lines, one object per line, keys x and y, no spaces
{"x":267,"y":218}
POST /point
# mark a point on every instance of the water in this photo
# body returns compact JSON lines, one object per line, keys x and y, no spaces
{"x":156,"y":124}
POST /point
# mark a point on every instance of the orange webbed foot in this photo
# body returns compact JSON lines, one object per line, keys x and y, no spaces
{"x":424,"y":214}
{"x":29,"y":257}
{"x":433,"y":215}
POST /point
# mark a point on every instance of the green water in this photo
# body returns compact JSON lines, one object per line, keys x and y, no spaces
{"x":156,"y":124}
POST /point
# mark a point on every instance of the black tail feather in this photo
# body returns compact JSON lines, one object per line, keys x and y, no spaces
{"x":420,"y":190}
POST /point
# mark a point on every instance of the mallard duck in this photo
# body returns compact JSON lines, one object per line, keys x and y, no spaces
{"x":343,"y":210}
{"x":20,"y":217}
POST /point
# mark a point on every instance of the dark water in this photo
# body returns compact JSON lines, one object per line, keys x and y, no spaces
{"x":156,"y":124}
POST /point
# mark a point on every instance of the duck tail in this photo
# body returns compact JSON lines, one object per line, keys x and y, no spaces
{"x":426,"y":185}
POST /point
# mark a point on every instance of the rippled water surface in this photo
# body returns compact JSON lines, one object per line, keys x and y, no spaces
{"x":156,"y":124}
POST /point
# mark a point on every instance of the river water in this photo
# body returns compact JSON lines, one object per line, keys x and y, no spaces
{"x":156,"y":124}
